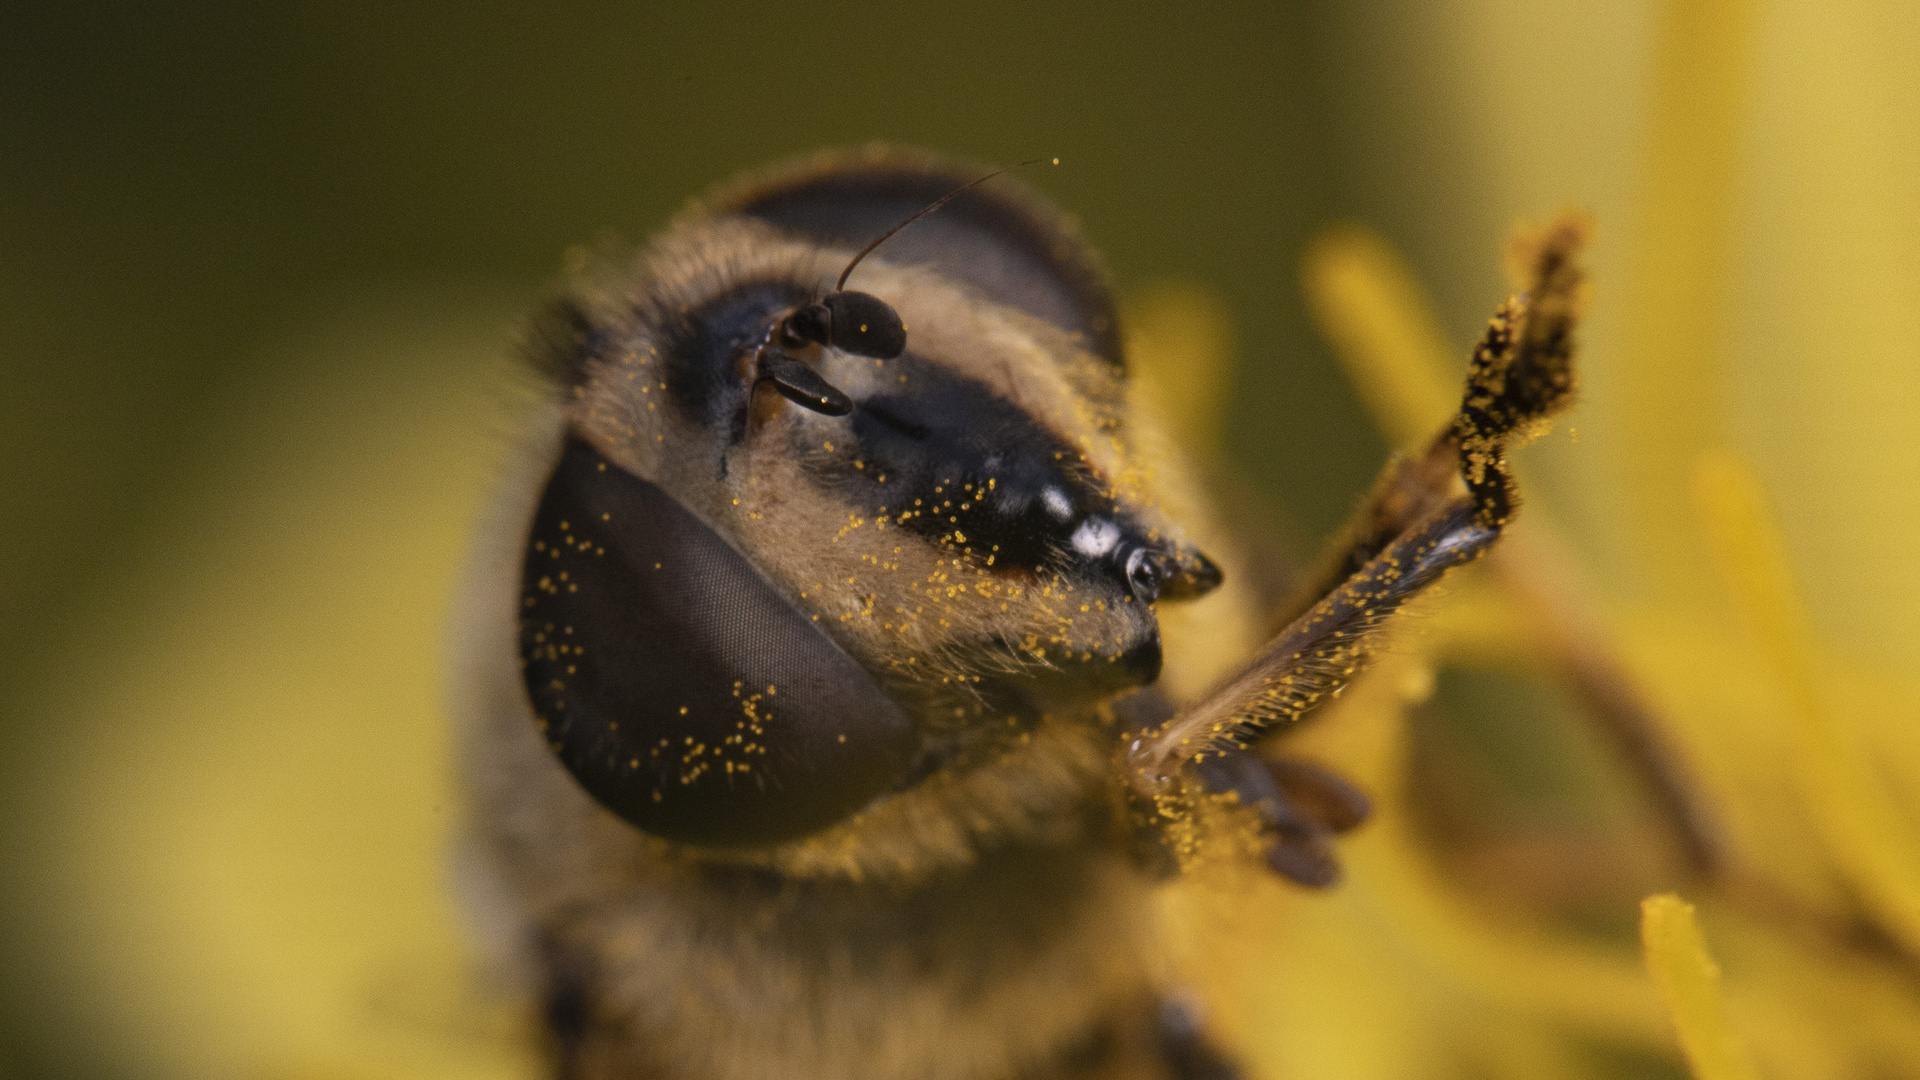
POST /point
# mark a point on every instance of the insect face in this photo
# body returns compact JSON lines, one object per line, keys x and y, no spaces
{"x":800,"y":549}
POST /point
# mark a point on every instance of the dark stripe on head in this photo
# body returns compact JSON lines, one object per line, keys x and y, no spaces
{"x":1000,"y":239}
{"x":952,"y":461}
{"x":702,"y":345}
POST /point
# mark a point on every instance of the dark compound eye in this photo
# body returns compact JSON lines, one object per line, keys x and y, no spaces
{"x":865,"y":325}
{"x":677,"y":684}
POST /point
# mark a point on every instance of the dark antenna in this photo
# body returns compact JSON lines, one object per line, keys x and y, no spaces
{"x":856,"y":322}
{"x":928,"y":209}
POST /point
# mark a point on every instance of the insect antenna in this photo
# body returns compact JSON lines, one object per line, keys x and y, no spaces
{"x":849,"y":320}
{"x":928,"y":209}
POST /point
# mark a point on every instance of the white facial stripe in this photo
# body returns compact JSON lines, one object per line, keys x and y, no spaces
{"x":1095,"y":537}
{"x":1057,"y":503}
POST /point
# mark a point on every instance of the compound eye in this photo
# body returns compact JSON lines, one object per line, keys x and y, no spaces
{"x":678,"y":685}
{"x":865,"y":325}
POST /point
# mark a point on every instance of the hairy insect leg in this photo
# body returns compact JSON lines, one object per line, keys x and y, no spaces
{"x":1408,"y":487}
{"x":1521,"y":374}
{"x":1320,"y":651}
{"x":1407,"y":534}
{"x":1301,"y":807}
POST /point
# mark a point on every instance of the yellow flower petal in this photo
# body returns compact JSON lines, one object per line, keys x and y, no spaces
{"x":1376,"y":316}
{"x":1868,"y":839}
{"x":1180,"y":345}
{"x":1690,"y":984}
{"x":1672,"y":338}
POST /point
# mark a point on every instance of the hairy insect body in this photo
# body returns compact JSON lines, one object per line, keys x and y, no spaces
{"x":980,"y":536}
{"x":801,"y":676}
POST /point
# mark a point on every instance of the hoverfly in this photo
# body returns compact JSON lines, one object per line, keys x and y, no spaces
{"x":817,"y":731}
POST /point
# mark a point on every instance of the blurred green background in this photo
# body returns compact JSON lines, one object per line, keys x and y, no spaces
{"x":260,"y":271}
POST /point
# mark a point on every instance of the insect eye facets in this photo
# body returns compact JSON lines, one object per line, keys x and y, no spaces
{"x":646,"y":639}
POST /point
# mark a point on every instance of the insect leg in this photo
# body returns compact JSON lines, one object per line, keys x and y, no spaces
{"x":1300,"y":806}
{"x":1408,"y":487}
{"x":1411,"y":531}
{"x":1321,"y":650}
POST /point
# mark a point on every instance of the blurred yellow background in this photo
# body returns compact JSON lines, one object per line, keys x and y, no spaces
{"x":260,"y":274}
